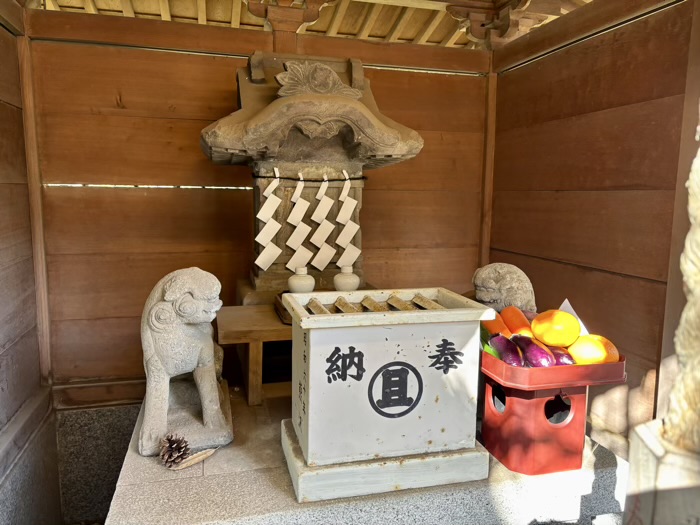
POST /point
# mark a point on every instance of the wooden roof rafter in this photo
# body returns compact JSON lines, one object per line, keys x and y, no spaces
{"x":449,"y":23}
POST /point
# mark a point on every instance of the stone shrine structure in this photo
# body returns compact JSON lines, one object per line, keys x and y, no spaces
{"x":309,"y":128}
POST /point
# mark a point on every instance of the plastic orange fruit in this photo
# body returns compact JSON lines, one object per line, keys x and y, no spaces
{"x":556,"y":328}
{"x":593,"y":349}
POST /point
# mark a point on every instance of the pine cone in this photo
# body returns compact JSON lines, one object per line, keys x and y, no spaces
{"x":173,"y":450}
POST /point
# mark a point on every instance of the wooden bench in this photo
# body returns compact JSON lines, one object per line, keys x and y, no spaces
{"x":252,"y":325}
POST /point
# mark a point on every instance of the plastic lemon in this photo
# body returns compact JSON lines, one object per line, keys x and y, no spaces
{"x":593,"y":349}
{"x":556,"y":328}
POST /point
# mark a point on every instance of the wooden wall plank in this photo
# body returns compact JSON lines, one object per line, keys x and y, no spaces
{"x":12,"y":163}
{"x":599,"y":73}
{"x":12,"y":16}
{"x":621,"y":231}
{"x":108,"y":220}
{"x":430,"y":101}
{"x":9,"y":69}
{"x":117,"y":285}
{"x":18,"y":306}
{"x":103,"y":149}
{"x":584,"y":21}
{"x":19,"y":374}
{"x":122,"y":81}
{"x":624,"y":148}
{"x":15,"y":234}
{"x":420,"y":219}
{"x":97,"y":349}
{"x":398,"y":54}
{"x":451,"y":268}
{"x":449,"y":161}
{"x":138,"y":32}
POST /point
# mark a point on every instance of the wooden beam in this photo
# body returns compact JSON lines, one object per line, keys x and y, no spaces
{"x":400,"y":24}
{"x":584,"y":21}
{"x":424,"y":34}
{"x":36,"y":212}
{"x":338,"y":16}
{"x":127,"y":8}
{"x":395,"y":54}
{"x":12,"y":16}
{"x":451,"y":38}
{"x":142,"y":32}
{"x":202,"y":12}
{"x":91,"y":8}
{"x":487,"y":185}
{"x":432,"y":5}
{"x":369,"y":21}
{"x":164,"y":10}
{"x":235,"y":13}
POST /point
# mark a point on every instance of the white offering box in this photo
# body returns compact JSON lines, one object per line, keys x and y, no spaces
{"x":385,"y":374}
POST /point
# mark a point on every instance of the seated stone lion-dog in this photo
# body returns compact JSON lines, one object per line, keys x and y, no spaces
{"x":177,"y":338}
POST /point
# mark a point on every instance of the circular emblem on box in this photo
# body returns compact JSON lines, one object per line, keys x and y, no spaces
{"x":395,"y":389}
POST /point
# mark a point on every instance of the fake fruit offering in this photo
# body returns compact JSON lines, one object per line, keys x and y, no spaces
{"x":593,"y":349}
{"x":516,"y":321}
{"x":556,"y":328}
{"x":552,"y":338}
{"x":535,"y":353}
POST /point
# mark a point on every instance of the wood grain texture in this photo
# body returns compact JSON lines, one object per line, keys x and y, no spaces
{"x":624,"y":66}
{"x":35,"y":207}
{"x":12,"y":16}
{"x":450,"y":268}
{"x":15,"y":232}
{"x":96,"y":349}
{"x":117,"y":285}
{"x":623,"y":231}
{"x":630,"y":147}
{"x":18,"y":306}
{"x":139,"y":32}
{"x":397,"y":54}
{"x":102,"y":149}
{"x":489,"y":155}
{"x":583,"y":21}
{"x":426,"y":219}
{"x":105,"y":80}
{"x":456,"y":103}
{"x":9,"y":69}
{"x":449,"y":161}
{"x":13,"y":167}
{"x":19,"y":374}
{"x":121,"y":221}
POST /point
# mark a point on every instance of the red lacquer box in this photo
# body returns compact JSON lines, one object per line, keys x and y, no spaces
{"x":535,"y":418}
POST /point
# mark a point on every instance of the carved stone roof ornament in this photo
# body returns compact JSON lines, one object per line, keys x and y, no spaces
{"x":309,"y":97}
{"x":309,"y":128}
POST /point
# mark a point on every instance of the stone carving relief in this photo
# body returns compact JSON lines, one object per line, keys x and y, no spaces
{"x":177,"y":338}
{"x":312,"y":78}
{"x":682,"y":424}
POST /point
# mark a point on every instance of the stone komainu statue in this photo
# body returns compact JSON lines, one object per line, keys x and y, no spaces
{"x":499,"y":285}
{"x":177,"y":337}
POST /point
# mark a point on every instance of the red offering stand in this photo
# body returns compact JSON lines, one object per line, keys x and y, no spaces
{"x":535,"y":418}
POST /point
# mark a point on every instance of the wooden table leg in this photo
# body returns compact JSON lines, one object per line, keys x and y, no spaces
{"x":254,"y":384}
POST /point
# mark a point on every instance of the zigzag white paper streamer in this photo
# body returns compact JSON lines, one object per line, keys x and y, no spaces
{"x":270,"y":251}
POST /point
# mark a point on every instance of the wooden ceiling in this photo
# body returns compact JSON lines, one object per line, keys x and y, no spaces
{"x":470,"y":24}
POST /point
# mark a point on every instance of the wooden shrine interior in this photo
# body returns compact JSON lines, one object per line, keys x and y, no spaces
{"x":563,"y":151}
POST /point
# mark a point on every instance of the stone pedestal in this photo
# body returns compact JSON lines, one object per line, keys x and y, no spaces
{"x":247,"y":483}
{"x":664,"y":487}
